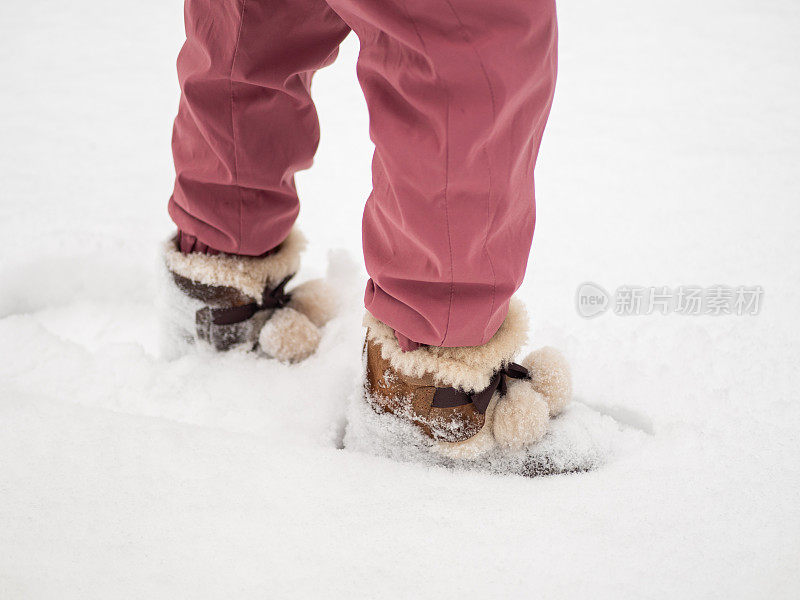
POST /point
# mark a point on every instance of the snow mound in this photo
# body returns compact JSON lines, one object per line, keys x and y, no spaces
{"x":580,"y":439}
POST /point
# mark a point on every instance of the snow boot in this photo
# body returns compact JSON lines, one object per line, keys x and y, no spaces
{"x":230,"y":302}
{"x":470,"y":403}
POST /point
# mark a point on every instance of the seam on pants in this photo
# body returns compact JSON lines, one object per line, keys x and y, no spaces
{"x":233,"y":126}
{"x":447,"y":215}
{"x":488,"y":162}
{"x":486,"y":244}
{"x":446,"y":173}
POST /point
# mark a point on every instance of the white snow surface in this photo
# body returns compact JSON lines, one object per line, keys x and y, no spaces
{"x":671,"y":158}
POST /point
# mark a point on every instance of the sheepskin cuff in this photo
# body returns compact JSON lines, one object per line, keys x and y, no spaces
{"x":470,"y":369}
{"x":250,"y":275}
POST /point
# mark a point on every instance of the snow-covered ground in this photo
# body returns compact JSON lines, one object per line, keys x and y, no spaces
{"x":671,"y":159}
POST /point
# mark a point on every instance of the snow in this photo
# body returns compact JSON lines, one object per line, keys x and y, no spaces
{"x":670,"y":158}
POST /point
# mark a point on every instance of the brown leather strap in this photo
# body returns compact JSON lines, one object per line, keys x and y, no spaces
{"x":273,"y":297}
{"x":277,"y":296}
{"x":449,"y":397}
{"x":234,"y":314}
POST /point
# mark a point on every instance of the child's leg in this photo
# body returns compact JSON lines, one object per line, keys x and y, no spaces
{"x":246,"y":122}
{"x":458,"y":93}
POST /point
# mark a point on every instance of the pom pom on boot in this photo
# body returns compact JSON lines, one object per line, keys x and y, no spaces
{"x":316,"y":299}
{"x":289,"y":336}
{"x":550,"y":376}
{"x":520,"y":417}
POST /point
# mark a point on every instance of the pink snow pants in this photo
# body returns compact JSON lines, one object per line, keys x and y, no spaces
{"x":458,"y":94}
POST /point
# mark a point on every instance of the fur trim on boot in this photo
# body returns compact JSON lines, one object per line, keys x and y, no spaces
{"x":225,"y":300}
{"x":469,"y":400}
{"x":249,"y":275}
{"x":467,"y":368}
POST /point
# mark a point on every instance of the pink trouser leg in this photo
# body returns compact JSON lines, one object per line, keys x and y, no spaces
{"x":458,"y":94}
{"x":246,"y":123}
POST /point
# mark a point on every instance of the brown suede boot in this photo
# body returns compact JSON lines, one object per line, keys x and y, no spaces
{"x":229,"y":301}
{"x":471,"y":400}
